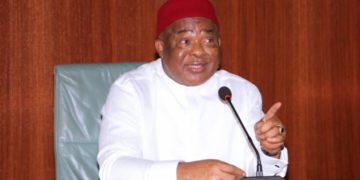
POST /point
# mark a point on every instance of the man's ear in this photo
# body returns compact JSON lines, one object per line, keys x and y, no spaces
{"x":159,"y":45}
{"x":219,"y":39}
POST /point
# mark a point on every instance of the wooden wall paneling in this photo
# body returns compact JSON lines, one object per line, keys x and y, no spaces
{"x":345,"y":77}
{"x":82,"y":29}
{"x":297,"y":135}
{"x":260,"y":42}
{"x":127,"y":34}
{"x":134,"y":30}
{"x":35,"y":36}
{"x":20,"y":130}
{"x":148,"y":29}
{"x":292,"y":50}
{"x":328,"y":87}
{"x":352,"y":72}
{"x":23,"y":27}
{"x":4,"y":84}
{"x":318,"y":74}
{"x":119,"y":30}
{"x":44,"y":159}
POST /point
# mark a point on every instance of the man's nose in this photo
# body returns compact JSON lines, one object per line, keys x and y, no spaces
{"x":197,"y":49}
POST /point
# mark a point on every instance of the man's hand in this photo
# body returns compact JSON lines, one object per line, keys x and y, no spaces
{"x":267,"y":131}
{"x":208,"y":170}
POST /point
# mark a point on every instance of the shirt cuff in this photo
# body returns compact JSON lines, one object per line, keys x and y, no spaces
{"x":273,"y":166}
{"x":164,"y":170}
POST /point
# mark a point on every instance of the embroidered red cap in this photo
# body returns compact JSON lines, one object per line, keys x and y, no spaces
{"x":174,"y":10}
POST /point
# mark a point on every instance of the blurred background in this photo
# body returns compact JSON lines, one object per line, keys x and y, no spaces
{"x":303,"y":53}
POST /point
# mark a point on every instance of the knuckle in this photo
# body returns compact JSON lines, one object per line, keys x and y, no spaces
{"x":259,"y":123}
{"x":214,"y":167}
{"x":272,"y":121}
{"x":264,"y":128}
{"x":214,"y":175}
{"x":271,"y":134}
{"x":231,"y":168}
{"x":276,"y":130}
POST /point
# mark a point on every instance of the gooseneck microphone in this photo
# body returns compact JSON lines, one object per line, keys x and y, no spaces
{"x":225,"y":94}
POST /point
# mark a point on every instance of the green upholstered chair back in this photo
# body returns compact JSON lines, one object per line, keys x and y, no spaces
{"x":80,"y":92}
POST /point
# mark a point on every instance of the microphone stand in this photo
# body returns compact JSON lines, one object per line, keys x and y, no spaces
{"x":259,"y":173}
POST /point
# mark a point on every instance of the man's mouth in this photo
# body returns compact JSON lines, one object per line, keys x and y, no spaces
{"x":196,"y":67}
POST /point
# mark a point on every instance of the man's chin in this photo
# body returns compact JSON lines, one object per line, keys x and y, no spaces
{"x":194,"y":82}
{"x":195,"y":79}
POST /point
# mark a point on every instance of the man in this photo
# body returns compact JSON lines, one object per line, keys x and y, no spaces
{"x":166,"y":121}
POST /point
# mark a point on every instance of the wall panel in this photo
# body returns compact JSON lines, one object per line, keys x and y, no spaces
{"x":303,"y":53}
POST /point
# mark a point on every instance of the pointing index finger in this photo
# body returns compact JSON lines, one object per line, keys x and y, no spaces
{"x":272,"y":111}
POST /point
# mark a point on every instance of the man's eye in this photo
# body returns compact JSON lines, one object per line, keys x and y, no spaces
{"x":185,"y":41}
{"x":209,"y":40}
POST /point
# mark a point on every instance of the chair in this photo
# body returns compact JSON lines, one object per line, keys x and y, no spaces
{"x":80,"y":92}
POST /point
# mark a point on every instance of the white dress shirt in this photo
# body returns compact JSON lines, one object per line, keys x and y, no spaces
{"x":151,"y":123}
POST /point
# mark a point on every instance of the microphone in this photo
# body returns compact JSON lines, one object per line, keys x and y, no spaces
{"x":225,"y":94}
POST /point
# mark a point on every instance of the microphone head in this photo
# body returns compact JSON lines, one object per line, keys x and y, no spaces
{"x":224,"y":93}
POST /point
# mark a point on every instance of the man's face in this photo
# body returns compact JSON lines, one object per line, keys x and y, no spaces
{"x":190,"y":50}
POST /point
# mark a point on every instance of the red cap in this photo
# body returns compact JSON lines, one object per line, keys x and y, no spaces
{"x":174,"y":10}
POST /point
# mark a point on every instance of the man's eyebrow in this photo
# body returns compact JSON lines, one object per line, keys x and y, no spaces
{"x":184,"y":30}
{"x":203,"y":30}
{"x":208,"y":30}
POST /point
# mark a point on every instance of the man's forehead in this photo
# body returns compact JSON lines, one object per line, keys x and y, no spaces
{"x":193,"y":24}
